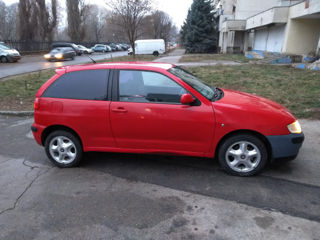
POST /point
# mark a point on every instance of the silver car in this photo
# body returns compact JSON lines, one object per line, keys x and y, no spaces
{"x":8,"y":54}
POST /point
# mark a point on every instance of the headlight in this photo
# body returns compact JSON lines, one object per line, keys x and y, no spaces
{"x":46,"y":56}
{"x":58,"y":55}
{"x":295,"y":127}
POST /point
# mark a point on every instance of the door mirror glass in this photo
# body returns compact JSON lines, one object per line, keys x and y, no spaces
{"x":187,"y":99}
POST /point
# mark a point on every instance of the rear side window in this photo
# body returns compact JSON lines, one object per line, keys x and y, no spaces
{"x":89,"y":85}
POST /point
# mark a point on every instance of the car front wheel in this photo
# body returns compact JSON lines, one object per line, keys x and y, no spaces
{"x":243,"y":155}
{"x":63,"y":149}
{"x":3,"y":59}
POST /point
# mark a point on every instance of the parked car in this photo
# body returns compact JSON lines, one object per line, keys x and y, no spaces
{"x":109,"y":48}
{"x":113,"y":47}
{"x":127,"y":46}
{"x":61,"y":53}
{"x":149,"y":46}
{"x":159,"y":108}
{"x":100,"y":48}
{"x":72,"y":45}
{"x":85,"y":50}
{"x":8,"y":54}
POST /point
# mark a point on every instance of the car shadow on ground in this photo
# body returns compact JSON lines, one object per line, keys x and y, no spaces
{"x":157,"y":162}
{"x":204,"y":176}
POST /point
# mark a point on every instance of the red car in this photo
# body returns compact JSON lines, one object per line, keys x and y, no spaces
{"x":151,"y":107}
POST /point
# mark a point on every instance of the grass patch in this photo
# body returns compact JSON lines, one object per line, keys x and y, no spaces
{"x":17,"y":92}
{"x":296,"y":89}
{"x":214,"y":57}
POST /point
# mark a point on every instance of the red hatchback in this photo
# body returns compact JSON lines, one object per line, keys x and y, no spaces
{"x":159,"y":108}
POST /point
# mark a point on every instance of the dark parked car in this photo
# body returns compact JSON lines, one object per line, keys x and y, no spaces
{"x":113,"y":47}
{"x":72,"y":45}
{"x":60,"y":53}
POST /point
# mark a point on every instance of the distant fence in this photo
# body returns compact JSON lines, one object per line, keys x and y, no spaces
{"x":37,"y":46}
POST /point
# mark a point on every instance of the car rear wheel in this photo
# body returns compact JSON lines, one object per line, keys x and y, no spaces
{"x":156,"y":53}
{"x":243,"y":155}
{"x":63,"y":149}
{"x":3,"y":59}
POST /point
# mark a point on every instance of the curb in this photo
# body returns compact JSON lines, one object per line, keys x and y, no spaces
{"x":17,"y":113}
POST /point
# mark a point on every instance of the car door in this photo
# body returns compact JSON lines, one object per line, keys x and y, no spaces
{"x":146,"y":114}
{"x":79,"y":100}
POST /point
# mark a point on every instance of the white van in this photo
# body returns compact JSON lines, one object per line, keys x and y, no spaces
{"x":149,"y":46}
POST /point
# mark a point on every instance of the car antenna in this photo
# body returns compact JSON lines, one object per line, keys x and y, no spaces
{"x":92,"y":59}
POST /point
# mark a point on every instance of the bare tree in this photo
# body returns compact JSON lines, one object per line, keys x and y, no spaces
{"x":47,"y":19}
{"x":128,"y":15}
{"x":26,"y":25}
{"x":162,"y":25}
{"x":3,"y":13}
{"x":36,"y":21}
{"x":96,"y":23}
{"x":77,"y":14}
{"x":11,"y":27}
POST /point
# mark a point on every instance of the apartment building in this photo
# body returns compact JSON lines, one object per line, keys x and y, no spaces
{"x":284,"y":26}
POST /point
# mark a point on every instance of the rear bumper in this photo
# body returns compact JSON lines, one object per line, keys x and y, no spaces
{"x":37,"y":133}
{"x":285,"y":146}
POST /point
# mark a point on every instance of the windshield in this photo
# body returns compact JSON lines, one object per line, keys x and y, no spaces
{"x":4,"y":47}
{"x":193,"y":81}
{"x":56,"y":50}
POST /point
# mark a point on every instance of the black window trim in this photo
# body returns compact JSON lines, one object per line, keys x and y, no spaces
{"x":115,"y":88}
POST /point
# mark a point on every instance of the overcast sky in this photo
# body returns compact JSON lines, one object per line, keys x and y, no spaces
{"x":177,"y":9}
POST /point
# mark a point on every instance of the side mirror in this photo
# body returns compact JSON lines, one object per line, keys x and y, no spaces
{"x":187,"y":99}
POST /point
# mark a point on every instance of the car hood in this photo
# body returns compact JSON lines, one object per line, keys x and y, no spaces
{"x":250,"y":103}
{"x":11,"y":51}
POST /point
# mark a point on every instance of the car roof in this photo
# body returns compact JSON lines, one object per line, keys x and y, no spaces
{"x":117,"y":65}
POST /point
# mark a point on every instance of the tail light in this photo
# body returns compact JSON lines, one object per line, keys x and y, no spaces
{"x":36,"y":104}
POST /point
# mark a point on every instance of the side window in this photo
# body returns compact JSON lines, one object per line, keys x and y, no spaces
{"x":88,"y":84}
{"x":144,"y":86}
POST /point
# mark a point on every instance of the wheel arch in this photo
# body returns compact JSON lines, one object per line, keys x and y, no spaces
{"x":248,"y":132}
{"x":53,"y":128}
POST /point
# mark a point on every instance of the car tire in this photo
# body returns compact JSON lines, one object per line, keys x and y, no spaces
{"x":3,"y":59}
{"x":243,"y":155}
{"x":64,"y":149}
{"x":155,"y":53}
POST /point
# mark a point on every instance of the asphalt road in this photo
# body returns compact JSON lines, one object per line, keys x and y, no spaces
{"x":33,"y":63}
{"x":126,"y":196}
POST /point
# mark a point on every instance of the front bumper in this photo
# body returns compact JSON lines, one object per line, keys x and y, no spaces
{"x":14,"y":58}
{"x":285,"y":146}
{"x":53,"y":58}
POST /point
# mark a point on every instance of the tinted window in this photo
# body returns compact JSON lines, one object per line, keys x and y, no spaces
{"x":143,"y":86}
{"x":90,"y":84}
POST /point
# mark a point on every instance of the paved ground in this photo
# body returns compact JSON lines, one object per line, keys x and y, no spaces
{"x":176,"y":54}
{"x":124,"y":196}
{"x":35,"y":62}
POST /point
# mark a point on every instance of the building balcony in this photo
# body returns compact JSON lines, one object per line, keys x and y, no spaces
{"x":233,"y":25}
{"x":276,"y":15}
